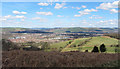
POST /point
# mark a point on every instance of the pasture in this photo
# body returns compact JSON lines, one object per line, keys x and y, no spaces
{"x":82,"y":44}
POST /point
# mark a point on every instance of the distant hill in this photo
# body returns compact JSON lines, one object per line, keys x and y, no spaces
{"x":11,"y":29}
{"x":78,"y":30}
{"x":60,"y":30}
{"x":22,"y":30}
{"x":31,"y":31}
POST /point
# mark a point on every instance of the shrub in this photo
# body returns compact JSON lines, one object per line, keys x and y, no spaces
{"x":70,"y":42}
{"x":74,"y":45}
{"x":102,"y":48}
{"x":45,"y":45}
{"x":117,"y":45}
{"x":55,"y":59}
{"x":86,"y":50}
{"x":95,"y":49}
{"x":8,"y":45}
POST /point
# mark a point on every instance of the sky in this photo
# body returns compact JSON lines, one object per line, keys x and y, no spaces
{"x":59,"y":14}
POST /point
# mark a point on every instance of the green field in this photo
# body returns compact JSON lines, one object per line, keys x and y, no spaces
{"x":78,"y":42}
{"x":81,"y":45}
{"x":75,"y":44}
{"x":97,"y":41}
{"x":58,"y":46}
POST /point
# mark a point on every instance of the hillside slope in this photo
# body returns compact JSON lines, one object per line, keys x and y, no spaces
{"x":83,"y":44}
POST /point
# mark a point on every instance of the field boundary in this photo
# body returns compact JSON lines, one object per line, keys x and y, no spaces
{"x":68,"y":45}
{"x":87,"y":40}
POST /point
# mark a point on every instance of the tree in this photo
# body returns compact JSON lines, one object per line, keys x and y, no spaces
{"x":8,"y":45}
{"x":102,"y":48}
{"x":95,"y":49}
{"x":70,"y":42}
{"x":86,"y":50}
{"x":74,"y":45}
{"x":45,"y":45}
{"x":116,"y":50}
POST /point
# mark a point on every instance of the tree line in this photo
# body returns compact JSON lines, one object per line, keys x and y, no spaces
{"x":8,"y":45}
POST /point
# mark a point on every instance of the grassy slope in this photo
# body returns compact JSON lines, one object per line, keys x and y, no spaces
{"x":58,"y":46}
{"x":100,"y":40}
{"x":95,"y":41}
{"x":76,"y":42}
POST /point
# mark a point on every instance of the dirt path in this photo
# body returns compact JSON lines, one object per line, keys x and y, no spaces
{"x":68,"y":45}
{"x":73,"y":41}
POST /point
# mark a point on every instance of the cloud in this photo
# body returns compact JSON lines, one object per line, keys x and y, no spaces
{"x":58,"y":6}
{"x":65,"y":7}
{"x":107,"y":6}
{"x":60,"y":16}
{"x":95,"y":17}
{"x":108,"y":22}
{"x":76,"y":8}
{"x":84,"y":21}
{"x":17,"y":12}
{"x":45,"y":13}
{"x":85,"y":12}
{"x":36,"y":18}
{"x":23,"y":12}
{"x":83,"y":6}
{"x":72,"y":24}
{"x":40,"y":19}
{"x":8,"y":16}
{"x":114,"y":11}
{"x":18,"y":16}
{"x":5,"y":18}
{"x":13,"y":17}
{"x":77,"y":15}
{"x":43,"y":4}
{"x":2,"y":19}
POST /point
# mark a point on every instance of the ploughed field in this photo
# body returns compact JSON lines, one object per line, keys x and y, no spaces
{"x":17,"y":58}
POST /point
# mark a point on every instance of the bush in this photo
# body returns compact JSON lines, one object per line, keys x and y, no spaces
{"x":117,"y":45}
{"x":86,"y":50}
{"x":74,"y":45}
{"x":45,"y":45}
{"x":102,"y":48}
{"x":55,"y":59}
{"x":95,"y":49}
{"x":8,"y":45}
